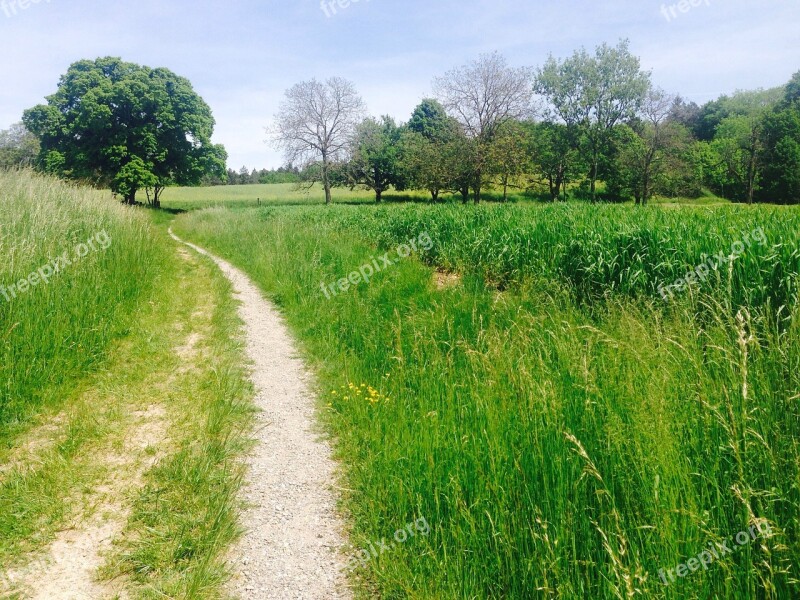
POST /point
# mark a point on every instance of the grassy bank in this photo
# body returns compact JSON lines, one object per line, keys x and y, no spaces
{"x":87,"y":264}
{"x":563,"y":430}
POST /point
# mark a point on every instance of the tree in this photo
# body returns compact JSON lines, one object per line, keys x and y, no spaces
{"x":739,"y":138}
{"x":687,"y":114}
{"x":430,"y":120}
{"x":554,"y":155}
{"x":375,"y":161}
{"x":431,"y":156}
{"x":126,"y":126}
{"x":781,"y":138}
{"x":316,"y":122}
{"x":655,"y":138}
{"x":18,"y":147}
{"x":652,"y":159}
{"x":507,"y":157}
{"x":483,"y":96}
{"x":594,"y":93}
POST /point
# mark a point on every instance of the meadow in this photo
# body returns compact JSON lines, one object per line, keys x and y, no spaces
{"x":524,"y":387}
{"x":290,"y":194}
{"x":522,"y":384}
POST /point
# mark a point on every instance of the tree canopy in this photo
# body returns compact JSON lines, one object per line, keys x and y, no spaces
{"x":126,"y":126}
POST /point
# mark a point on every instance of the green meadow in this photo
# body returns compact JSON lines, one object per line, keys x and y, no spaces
{"x":525,"y":387}
{"x":523,"y":382}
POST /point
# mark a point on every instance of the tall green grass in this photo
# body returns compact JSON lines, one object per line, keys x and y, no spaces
{"x":54,"y":332}
{"x":570,"y":435}
{"x":602,"y":249}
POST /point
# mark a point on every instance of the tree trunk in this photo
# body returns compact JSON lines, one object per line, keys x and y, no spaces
{"x":593,"y":177}
{"x":378,"y":195}
{"x":130,"y":198}
{"x":464,"y":193}
{"x":751,"y":177}
{"x":505,"y":189}
{"x":434,"y":196}
{"x":477,"y":186}
{"x":326,"y":180}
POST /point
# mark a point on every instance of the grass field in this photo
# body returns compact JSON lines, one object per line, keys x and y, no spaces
{"x":245,"y":196}
{"x":250,"y":196}
{"x":241,"y":196}
{"x":530,"y":380}
{"x":524,"y":387}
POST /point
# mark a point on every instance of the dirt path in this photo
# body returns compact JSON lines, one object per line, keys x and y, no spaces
{"x":291,"y":548}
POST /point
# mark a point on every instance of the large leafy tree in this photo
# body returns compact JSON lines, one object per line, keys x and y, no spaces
{"x":739,"y":139}
{"x":430,"y":120}
{"x":126,"y":126}
{"x":555,"y":158}
{"x":594,"y":92}
{"x":432,"y":156}
{"x":645,"y":154}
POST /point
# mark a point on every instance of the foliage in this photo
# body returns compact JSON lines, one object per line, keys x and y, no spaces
{"x":125,"y":126}
{"x":375,"y":157}
{"x":780,"y":180}
{"x":594,"y":93}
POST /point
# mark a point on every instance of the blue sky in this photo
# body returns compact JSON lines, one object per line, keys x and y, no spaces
{"x":242,"y":55}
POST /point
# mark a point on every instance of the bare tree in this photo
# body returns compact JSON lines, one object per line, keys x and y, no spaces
{"x":315,"y":123}
{"x":482,"y":96}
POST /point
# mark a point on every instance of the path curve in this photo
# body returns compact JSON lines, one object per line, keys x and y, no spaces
{"x":291,"y":549}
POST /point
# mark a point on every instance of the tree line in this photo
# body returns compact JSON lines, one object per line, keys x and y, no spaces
{"x":244,"y":176}
{"x":592,"y":125}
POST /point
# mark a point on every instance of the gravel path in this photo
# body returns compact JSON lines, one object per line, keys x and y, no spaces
{"x":292,"y":546}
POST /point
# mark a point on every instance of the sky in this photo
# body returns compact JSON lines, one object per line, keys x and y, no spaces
{"x":242,"y":55}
